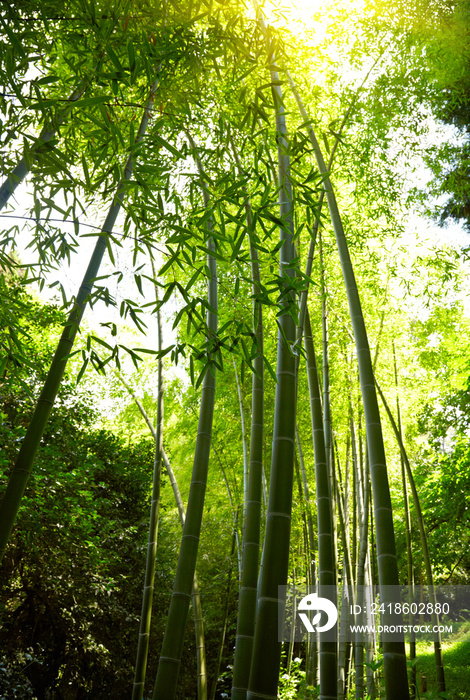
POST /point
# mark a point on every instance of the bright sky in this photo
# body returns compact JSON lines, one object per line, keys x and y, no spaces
{"x":298,"y":15}
{"x":292,"y":13}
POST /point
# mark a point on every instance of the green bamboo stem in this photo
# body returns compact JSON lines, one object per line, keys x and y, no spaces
{"x":424,"y":543}
{"x":358,"y":491}
{"x":233,"y":507}
{"x":343,"y":642}
{"x":256,"y":481}
{"x":361,"y":577}
{"x":326,"y":554}
{"x":24,"y":463}
{"x":371,"y":650}
{"x":316,"y":224}
{"x":166,"y":461}
{"x":327,"y":424}
{"x":395,"y":672}
{"x":355,"y":496}
{"x":22,"y":168}
{"x":244,"y":437}
{"x":338,"y":136}
{"x":226,"y":611}
{"x":170,"y":658}
{"x":326,"y":367}
{"x":271,"y":164}
{"x":343,"y":526}
{"x":409,"y":551}
{"x":195,"y":596}
{"x":265,"y":490}
{"x":374,"y":576}
{"x":312,"y":659}
{"x":149,"y":581}
{"x":307,"y":502}
{"x":264,"y":673}
{"x":348,"y":592}
{"x":290,"y":650}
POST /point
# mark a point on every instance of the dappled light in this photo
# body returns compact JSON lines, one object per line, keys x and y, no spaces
{"x":234,"y":366}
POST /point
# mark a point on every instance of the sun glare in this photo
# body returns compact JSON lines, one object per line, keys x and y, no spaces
{"x":303,"y":15}
{"x":292,"y":12}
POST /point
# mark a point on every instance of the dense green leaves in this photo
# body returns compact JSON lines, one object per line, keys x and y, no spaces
{"x":78,"y":541}
{"x":370,"y":85}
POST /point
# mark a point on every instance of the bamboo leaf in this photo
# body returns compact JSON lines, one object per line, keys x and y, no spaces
{"x":165,"y":144}
{"x":115,"y":60}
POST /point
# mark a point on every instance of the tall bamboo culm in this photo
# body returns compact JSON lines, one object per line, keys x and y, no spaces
{"x":170,"y":657}
{"x":326,"y":554}
{"x":149,"y":580}
{"x":347,"y":598}
{"x":424,"y":544}
{"x":24,"y":463}
{"x":251,"y":531}
{"x":195,"y":597}
{"x":228,"y":596}
{"x":265,"y":664}
{"x":408,"y":539}
{"x":22,"y":168}
{"x":311,"y":665}
{"x":395,"y":672}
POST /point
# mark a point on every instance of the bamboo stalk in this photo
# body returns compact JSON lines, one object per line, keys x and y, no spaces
{"x":311,"y":673}
{"x":233,"y":507}
{"x":361,"y":575}
{"x":22,"y":168}
{"x":409,"y":551}
{"x":326,"y":554}
{"x":24,"y":463}
{"x":343,"y":524}
{"x":170,"y":658}
{"x":150,"y":565}
{"x":226,"y":611}
{"x":395,"y":672}
{"x":424,"y":544}
{"x":244,"y":438}
{"x":264,"y":674}
{"x":256,"y":484}
{"x":343,"y":643}
{"x":195,"y":596}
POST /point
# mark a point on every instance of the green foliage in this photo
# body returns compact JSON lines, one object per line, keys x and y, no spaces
{"x":292,"y":685}
{"x":75,"y":562}
{"x":27,"y":328}
{"x":79,"y":544}
{"x":444,"y":490}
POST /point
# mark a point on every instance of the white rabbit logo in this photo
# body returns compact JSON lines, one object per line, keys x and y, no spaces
{"x":314,"y":602}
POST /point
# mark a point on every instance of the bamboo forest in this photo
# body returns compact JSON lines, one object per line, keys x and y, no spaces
{"x":234,"y":349}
